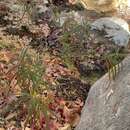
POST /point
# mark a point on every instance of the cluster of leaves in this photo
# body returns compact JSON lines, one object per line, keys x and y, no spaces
{"x":32,"y":103}
{"x":48,"y":42}
{"x":72,"y":88}
{"x":55,"y":68}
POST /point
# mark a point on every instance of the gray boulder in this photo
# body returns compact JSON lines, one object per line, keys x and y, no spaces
{"x":108,"y":104}
{"x":116,"y":29}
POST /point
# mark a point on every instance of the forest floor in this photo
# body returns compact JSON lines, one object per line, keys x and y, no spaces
{"x":46,"y":70}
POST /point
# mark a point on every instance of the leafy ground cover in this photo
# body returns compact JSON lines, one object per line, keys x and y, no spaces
{"x":43,"y":79}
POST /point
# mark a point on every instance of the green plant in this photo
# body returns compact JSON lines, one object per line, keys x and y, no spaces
{"x":29,"y":73}
{"x":37,"y":110}
{"x":30,"y":79}
{"x":73,"y":38}
{"x":114,"y":63}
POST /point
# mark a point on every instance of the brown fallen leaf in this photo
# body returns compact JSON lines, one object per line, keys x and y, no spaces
{"x":10,"y":116}
{"x":72,"y":2}
{"x":6,"y":56}
{"x":66,"y":127}
{"x":23,"y":126}
{"x":2,"y":129}
{"x":66,"y":113}
{"x":27,"y":128}
{"x":74,"y":119}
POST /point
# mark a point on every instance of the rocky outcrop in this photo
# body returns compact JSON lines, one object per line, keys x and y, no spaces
{"x":108,"y":104}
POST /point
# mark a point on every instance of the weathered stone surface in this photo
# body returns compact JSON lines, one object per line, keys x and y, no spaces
{"x":116,"y":29}
{"x":108,"y":104}
{"x":105,"y":5}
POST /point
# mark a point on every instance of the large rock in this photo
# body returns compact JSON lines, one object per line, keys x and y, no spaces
{"x":108,"y":103}
{"x":116,"y":29}
{"x":105,"y":5}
